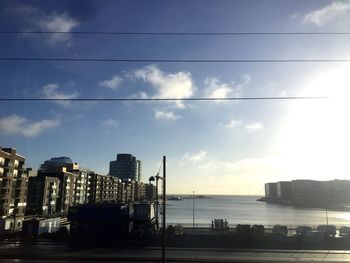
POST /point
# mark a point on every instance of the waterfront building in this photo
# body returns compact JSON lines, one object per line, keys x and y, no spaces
{"x":284,"y":191}
{"x":312,"y":193}
{"x":74,"y":183}
{"x":13,"y":189}
{"x":121,"y":192}
{"x":140,"y":191}
{"x":271,"y":191}
{"x":42,"y":196}
{"x":126,"y":167}
{"x":95,"y":190}
{"x":81,"y":186}
{"x":66,"y":187}
{"x":103,"y":188}
{"x":109,"y":189}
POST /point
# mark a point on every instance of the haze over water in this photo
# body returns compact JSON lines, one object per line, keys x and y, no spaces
{"x":246,"y":210}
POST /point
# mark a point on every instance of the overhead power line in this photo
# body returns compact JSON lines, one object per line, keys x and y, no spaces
{"x":177,"y":60}
{"x":172,"y":99}
{"x":169,"y":33}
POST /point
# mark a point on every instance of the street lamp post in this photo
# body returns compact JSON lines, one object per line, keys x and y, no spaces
{"x":193,"y":209}
{"x":157,"y":177}
{"x":164,"y":213}
{"x":152,"y":179}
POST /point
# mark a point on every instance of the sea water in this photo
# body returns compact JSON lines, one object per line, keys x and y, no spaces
{"x":247,"y":210}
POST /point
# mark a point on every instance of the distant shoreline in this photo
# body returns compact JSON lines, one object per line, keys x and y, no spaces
{"x":214,"y":195}
{"x":310,"y":204}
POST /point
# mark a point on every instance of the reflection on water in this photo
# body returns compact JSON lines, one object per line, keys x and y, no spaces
{"x":245,"y":209}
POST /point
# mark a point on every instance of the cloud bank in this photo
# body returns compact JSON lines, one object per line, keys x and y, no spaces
{"x":16,"y":124}
{"x":326,"y":14}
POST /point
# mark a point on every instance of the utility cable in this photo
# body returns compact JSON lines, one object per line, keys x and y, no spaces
{"x":175,"y":60}
{"x":13,"y":32}
{"x":174,"y":99}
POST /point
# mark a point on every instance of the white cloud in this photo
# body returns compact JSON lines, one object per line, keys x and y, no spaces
{"x":15,"y":124}
{"x":195,"y":157}
{"x":36,"y":19}
{"x":113,"y":83}
{"x":167,"y":85}
{"x":58,"y":23}
{"x":252,"y":127}
{"x":216,"y":89}
{"x":165,"y":115}
{"x":110,"y":123}
{"x":232,"y":124}
{"x":328,"y":13}
{"x":51,"y":91}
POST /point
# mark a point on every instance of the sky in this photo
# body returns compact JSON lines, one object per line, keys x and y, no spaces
{"x":212,"y":147}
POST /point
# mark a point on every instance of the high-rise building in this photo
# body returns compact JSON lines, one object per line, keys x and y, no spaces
{"x":126,"y":167}
{"x":13,"y":189}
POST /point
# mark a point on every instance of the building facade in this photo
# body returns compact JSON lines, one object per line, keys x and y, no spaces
{"x":126,"y":167}
{"x":74,"y":182}
{"x":61,"y":184}
{"x":66,"y":187}
{"x":13,"y":189}
{"x":310,"y":193}
{"x":42,"y":196}
{"x":103,"y":189}
{"x":284,"y":191}
{"x":81,"y":186}
{"x":271,"y":191}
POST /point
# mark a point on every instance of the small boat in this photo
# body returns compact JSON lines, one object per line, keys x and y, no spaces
{"x":174,"y":198}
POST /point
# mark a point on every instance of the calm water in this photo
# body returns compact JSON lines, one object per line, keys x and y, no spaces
{"x":245,"y":209}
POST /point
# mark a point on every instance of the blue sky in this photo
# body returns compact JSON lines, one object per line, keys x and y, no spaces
{"x":212,"y":147}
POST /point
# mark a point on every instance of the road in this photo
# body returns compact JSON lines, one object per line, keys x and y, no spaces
{"x":61,"y":252}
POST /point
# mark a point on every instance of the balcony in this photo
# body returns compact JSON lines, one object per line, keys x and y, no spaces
{"x":6,"y":164}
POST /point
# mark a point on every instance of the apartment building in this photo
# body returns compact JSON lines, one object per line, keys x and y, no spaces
{"x":43,"y":194}
{"x":13,"y":189}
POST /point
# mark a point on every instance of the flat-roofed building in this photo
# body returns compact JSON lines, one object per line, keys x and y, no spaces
{"x":42,"y":196}
{"x":66,"y":187}
{"x":126,"y":167}
{"x":284,"y":191}
{"x":13,"y":189}
{"x":271,"y":191}
{"x":103,"y":188}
